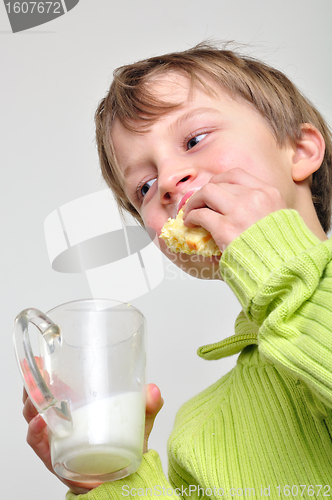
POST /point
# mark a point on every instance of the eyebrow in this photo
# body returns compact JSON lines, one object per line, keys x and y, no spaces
{"x":130,"y":169}
{"x":193,"y":114}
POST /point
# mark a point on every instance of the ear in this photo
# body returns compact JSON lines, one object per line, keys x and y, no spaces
{"x":308,"y":152}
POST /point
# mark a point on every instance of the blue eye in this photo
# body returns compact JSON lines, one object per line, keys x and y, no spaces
{"x":145,"y":187}
{"x":195,"y":140}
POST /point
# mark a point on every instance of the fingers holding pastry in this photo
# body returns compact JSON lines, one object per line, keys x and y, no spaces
{"x":189,"y":240}
{"x":219,"y":212}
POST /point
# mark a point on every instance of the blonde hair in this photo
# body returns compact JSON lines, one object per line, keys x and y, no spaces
{"x":268,"y":90}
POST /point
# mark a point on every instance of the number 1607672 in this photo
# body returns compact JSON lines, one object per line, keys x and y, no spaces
{"x":304,"y":490}
{"x":34,"y":7}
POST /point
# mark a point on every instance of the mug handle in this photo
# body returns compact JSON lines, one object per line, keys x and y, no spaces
{"x":55,"y":413}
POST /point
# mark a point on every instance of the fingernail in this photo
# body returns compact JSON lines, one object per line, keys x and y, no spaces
{"x":155,"y":392}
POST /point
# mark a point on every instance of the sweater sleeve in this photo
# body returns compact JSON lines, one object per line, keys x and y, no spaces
{"x":148,"y":481}
{"x":282,"y":276}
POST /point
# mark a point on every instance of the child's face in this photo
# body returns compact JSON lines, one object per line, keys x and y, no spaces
{"x":184,"y":150}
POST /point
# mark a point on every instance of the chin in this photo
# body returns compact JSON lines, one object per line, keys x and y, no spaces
{"x":204,"y":268}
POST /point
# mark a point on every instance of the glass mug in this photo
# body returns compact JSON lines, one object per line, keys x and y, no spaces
{"x":88,"y":384}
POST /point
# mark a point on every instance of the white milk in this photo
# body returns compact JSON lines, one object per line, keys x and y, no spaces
{"x":107,"y":436}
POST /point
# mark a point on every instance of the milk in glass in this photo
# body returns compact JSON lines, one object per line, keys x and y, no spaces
{"x":106,"y":436}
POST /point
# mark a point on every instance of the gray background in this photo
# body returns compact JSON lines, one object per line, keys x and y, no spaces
{"x":52,"y":78}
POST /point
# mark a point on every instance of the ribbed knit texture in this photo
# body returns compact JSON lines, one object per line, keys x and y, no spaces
{"x":251,"y":429}
{"x":149,"y":475}
{"x":286,"y":292}
{"x":268,"y":421}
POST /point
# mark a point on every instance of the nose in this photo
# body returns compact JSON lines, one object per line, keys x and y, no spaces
{"x":174,"y":180}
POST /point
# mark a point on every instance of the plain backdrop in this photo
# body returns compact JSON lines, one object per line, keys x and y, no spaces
{"x":52,"y":78}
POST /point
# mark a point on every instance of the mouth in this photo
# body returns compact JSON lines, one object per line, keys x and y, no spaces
{"x":184,"y":199}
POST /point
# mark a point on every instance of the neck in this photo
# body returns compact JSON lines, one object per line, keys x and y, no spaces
{"x":316,"y":228}
{"x":306,"y":209}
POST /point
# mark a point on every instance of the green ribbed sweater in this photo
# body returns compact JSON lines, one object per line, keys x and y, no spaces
{"x":268,"y":422}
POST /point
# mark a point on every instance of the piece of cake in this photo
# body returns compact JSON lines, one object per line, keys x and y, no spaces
{"x":180,"y":238}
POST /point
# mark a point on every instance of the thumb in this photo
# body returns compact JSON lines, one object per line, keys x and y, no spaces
{"x":154,"y":403}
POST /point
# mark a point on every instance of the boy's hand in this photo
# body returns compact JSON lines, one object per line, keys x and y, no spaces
{"x":230,"y":203}
{"x":37,"y":436}
{"x":154,"y":403}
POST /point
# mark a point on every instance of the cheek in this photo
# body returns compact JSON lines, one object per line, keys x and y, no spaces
{"x":230,"y":154}
{"x":154,"y":222}
{"x":220,"y":161}
{"x":235,"y":158}
{"x":257,"y":162}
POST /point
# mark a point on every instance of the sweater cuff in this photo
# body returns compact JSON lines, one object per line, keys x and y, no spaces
{"x":253,"y":256}
{"x":149,"y":476}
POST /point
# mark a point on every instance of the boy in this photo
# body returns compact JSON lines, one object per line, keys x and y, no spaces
{"x":253,"y":158}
